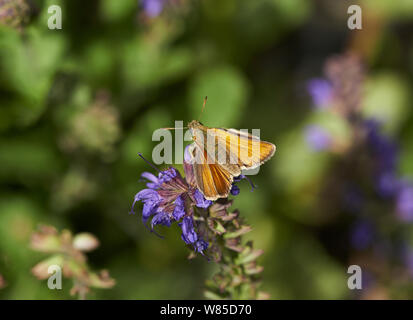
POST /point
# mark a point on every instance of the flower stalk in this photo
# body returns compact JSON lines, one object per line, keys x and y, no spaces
{"x":239,"y":273}
{"x":211,"y":229}
{"x":67,"y":252}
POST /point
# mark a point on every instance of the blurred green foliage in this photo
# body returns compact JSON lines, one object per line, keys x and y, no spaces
{"x":78,"y":104}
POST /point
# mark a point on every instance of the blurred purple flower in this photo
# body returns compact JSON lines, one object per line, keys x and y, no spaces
{"x":153,"y":8}
{"x":367,"y":280}
{"x":404,"y":202}
{"x":387,"y":184}
{"x":385,"y":154}
{"x":317,"y":138}
{"x":362,"y":235}
{"x":353,"y":199}
{"x":320,"y":91}
{"x":383,"y":149}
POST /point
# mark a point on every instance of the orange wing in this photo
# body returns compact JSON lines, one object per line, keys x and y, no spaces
{"x":212,"y":179}
{"x":243,"y":148}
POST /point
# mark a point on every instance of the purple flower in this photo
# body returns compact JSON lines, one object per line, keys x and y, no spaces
{"x":404,"y":203}
{"x":318,"y":138}
{"x":168,"y":198}
{"x":153,"y":183}
{"x":162,"y":218}
{"x":200,"y":200}
{"x":150,"y":199}
{"x":201,"y":245}
{"x":153,"y":8}
{"x":161,"y":196}
{"x":383,"y":150}
{"x":385,"y":154}
{"x":362,"y":235}
{"x":189,"y":236}
{"x":188,"y":233}
{"x":320,"y":91}
{"x":387,"y":184}
{"x":235,"y":190}
{"x":179,"y":210}
{"x":367,"y":280}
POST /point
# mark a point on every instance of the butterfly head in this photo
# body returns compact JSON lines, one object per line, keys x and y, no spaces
{"x":194,"y":124}
{"x":196,"y":129}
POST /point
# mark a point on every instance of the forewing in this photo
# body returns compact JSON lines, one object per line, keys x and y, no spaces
{"x":244,"y":149}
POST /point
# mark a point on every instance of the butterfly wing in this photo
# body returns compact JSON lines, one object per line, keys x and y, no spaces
{"x":244,"y":149}
{"x":220,"y":154}
{"x":213,"y":180}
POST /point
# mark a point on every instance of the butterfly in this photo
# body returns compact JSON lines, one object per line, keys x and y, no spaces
{"x":218,"y":155}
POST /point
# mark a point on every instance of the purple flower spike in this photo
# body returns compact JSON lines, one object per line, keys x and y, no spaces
{"x":153,"y":8}
{"x":381,"y":147}
{"x":320,"y":91}
{"x":362,"y":235}
{"x":387,"y":184}
{"x":404,"y":203}
{"x":318,"y":138}
{"x":168,"y":198}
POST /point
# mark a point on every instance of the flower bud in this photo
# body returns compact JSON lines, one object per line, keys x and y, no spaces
{"x":85,"y":242}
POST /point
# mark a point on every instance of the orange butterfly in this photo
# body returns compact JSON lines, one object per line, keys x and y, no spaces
{"x":218,"y":155}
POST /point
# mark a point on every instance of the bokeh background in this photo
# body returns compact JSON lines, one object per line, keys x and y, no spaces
{"x":78,"y":104}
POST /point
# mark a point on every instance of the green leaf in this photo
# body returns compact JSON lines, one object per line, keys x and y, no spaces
{"x":237,"y":233}
{"x":116,"y":10}
{"x":248,"y":255}
{"x":149,"y":63}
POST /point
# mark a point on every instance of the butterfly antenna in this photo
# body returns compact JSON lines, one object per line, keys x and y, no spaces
{"x":148,"y":162}
{"x":174,"y":128}
{"x":203,"y":107}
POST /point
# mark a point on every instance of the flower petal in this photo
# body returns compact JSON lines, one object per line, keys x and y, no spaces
{"x":149,"y":209}
{"x":147,"y":194}
{"x":161,"y":218}
{"x":200,"y":200}
{"x":179,"y":210}
{"x":200,"y":246}
{"x":149,"y":176}
{"x":167,"y":175}
{"x":235,"y":190}
{"x":188,"y":232}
